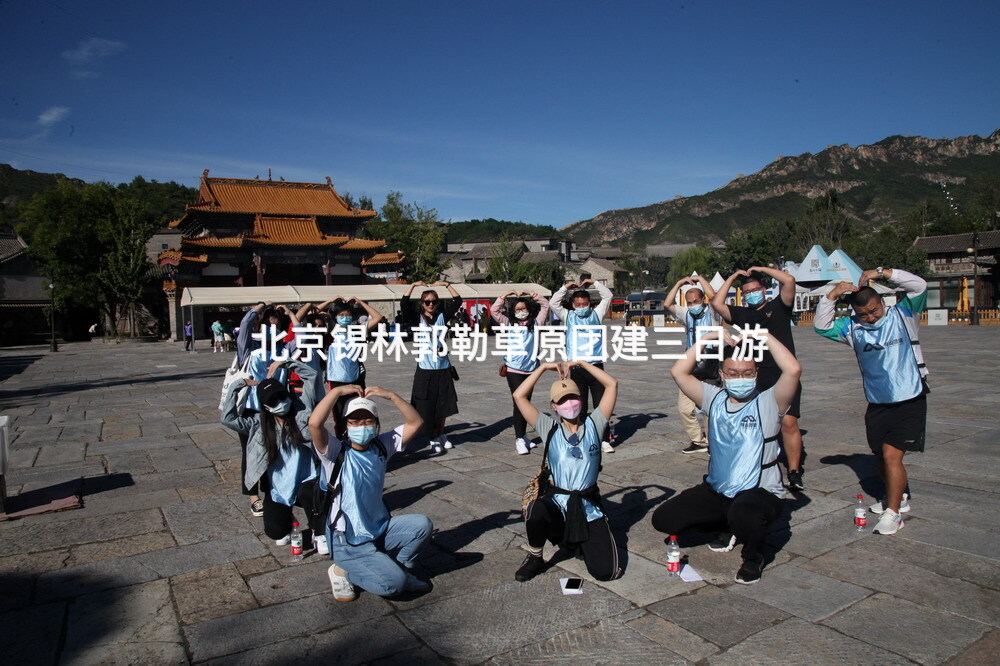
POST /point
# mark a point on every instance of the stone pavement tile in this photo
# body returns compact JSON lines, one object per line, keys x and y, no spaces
{"x":230,"y":634}
{"x":36,"y":435}
{"x":837,"y":477}
{"x":161,"y":429}
{"x":173,"y":458}
{"x":938,"y":474}
{"x":951,"y":504}
{"x":808,"y":505}
{"x":982,"y":651}
{"x":289,"y":583}
{"x":210,"y":593}
{"x":25,"y":457}
{"x":923,"y":634}
{"x":113,"y":431}
{"x":644,"y":582}
{"x":671,"y":636}
{"x":103,"y":504}
{"x":217,"y":451}
{"x":218,"y":489}
{"x":364,"y":642}
{"x":61,"y":453}
{"x":511,"y":612}
{"x":93,"y":577}
{"x":718,"y":615}
{"x":90,"y":432}
{"x":796,"y":641}
{"x":607,"y":641}
{"x":174,"y":561}
{"x":509,"y":480}
{"x":947,"y":535}
{"x":74,"y":416}
{"x":910,"y":580}
{"x":942,"y":561}
{"x":817,"y":536}
{"x":36,"y":638}
{"x":257,"y":565}
{"x":137,"y":444}
{"x":26,"y":536}
{"x":201,"y":520}
{"x":135,"y":624}
{"x":136,"y":463}
{"x":37,"y":477}
{"x":804,"y":593}
{"x":124,"y":547}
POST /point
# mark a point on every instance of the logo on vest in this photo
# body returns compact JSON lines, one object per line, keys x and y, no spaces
{"x":870,"y":346}
{"x":593,"y":449}
{"x":748,"y":422}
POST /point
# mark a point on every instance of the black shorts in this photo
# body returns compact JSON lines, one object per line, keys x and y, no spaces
{"x":902,"y":425}
{"x":767,"y":376}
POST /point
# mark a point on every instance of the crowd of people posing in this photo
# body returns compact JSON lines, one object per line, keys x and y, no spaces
{"x":316,"y":434}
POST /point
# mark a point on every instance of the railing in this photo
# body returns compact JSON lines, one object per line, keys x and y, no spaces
{"x":955,"y":318}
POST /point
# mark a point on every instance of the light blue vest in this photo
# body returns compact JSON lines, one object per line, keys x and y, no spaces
{"x":889,"y":367}
{"x":579,"y":345}
{"x":571,"y":473}
{"x":521,"y":354}
{"x":362,"y":481}
{"x":293,"y":465}
{"x":692,"y":323}
{"x":431,"y":360}
{"x":260,"y":359}
{"x":738,"y":446}
{"x":343,"y":369}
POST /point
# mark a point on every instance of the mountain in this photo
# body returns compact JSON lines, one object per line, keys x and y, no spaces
{"x":17,"y":185}
{"x":478,"y":231}
{"x":877,"y":183}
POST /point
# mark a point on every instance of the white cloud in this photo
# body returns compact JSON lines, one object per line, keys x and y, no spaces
{"x":52,"y":115}
{"x":91,"y":50}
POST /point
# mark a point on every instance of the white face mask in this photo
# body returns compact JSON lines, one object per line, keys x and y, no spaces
{"x":521,"y":315}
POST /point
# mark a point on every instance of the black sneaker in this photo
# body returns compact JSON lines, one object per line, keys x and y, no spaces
{"x":723,"y":543}
{"x":795,"y":479}
{"x":749,"y":573}
{"x":694,"y":448}
{"x":531,"y":567}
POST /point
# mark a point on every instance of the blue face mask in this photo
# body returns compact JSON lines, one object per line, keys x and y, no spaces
{"x":361,"y":435}
{"x":741,"y":387}
{"x":344,"y":321}
{"x":582,"y":312}
{"x":755,"y":298}
{"x":281,"y":408}
{"x":876,"y":325}
{"x":696,"y":310}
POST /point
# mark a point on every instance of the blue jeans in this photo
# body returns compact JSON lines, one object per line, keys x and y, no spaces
{"x":375,"y":566}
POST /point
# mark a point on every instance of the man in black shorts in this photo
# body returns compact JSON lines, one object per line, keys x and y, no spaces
{"x":776,"y":316}
{"x":893,"y":373}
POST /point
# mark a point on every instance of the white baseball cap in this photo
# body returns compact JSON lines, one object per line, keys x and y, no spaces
{"x":360,"y":404}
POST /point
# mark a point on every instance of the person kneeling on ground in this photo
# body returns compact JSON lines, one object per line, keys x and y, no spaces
{"x":742,"y":492}
{"x":370,"y":548}
{"x":570,"y":510}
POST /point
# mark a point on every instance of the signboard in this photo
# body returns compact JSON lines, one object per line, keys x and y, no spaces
{"x":937,"y":317}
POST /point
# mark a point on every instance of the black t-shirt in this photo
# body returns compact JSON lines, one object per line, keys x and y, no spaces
{"x":775,"y":316}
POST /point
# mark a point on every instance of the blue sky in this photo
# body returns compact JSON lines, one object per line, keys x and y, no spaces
{"x":545,"y":112}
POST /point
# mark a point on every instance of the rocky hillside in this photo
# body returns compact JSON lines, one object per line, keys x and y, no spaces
{"x":877,"y":183}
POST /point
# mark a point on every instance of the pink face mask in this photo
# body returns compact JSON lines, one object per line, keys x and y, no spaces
{"x":570,"y":409}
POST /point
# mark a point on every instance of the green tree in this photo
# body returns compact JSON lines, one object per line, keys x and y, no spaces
{"x":124,"y":271}
{"x":826,"y":224}
{"x":504,"y":265}
{"x":415,"y":230}
{"x":702,"y":260}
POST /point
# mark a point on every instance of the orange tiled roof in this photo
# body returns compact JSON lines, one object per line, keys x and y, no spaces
{"x":175,"y":257}
{"x":212,"y":240}
{"x":362,"y":244}
{"x":269,"y":197}
{"x":291,"y":231}
{"x":383,"y":258}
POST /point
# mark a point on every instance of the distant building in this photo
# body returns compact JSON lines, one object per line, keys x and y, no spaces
{"x":951,"y":258}
{"x":242,"y":232}
{"x":24,"y":293}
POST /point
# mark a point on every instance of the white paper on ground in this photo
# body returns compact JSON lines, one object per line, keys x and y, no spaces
{"x":690,"y":575}
{"x":562,"y":584}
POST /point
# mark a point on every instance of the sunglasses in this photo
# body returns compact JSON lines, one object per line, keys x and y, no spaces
{"x":432,"y":301}
{"x":576,"y":451}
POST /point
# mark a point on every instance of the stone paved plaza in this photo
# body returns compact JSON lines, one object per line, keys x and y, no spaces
{"x":164,"y":563}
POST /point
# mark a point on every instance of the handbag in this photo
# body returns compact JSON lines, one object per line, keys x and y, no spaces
{"x":539,"y":484}
{"x":232,"y":374}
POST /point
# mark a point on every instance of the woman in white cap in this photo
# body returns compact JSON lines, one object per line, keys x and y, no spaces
{"x":570,"y":510}
{"x":370,"y":548}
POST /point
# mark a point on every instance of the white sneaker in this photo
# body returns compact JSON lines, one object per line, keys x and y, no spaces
{"x":283,"y":541}
{"x":448,"y":445}
{"x":437,"y":448}
{"x":607,"y":448}
{"x":521,"y":446}
{"x":321,"y":546}
{"x":890,"y":523}
{"x":414,"y":584}
{"x":342,"y":588}
{"x":878,"y":507}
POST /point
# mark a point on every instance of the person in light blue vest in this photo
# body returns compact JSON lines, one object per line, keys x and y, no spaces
{"x":514,"y":314}
{"x":433,"y":394}
{"x":370,"y":548}
{"x":742,"y":493}
{"x":885,"y":342}
{"x":581,"y":317}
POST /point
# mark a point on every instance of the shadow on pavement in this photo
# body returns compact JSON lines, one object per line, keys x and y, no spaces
{"x":629,"y":424}
{"x":864,"y":466}
{"x":15,"y":365}
{"x":71,"y":387}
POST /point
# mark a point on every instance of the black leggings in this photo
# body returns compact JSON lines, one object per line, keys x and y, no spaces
{"x":513,"y":381}
{"x":747,"y":515}
{"x":600,"y":553}
{"x":277,"y":518}
{"x":589,"y":386}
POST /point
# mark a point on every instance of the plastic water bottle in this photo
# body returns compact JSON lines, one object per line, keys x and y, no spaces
{"x":860,"y":514}
{"x":611,"y":432}
{"x":673,"y":558}
{"x":296,"y":541}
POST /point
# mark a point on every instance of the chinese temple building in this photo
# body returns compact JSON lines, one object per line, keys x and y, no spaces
{"x":242,"y":233}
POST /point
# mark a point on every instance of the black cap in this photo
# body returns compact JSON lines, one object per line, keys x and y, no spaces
{"x":270,"y":391}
